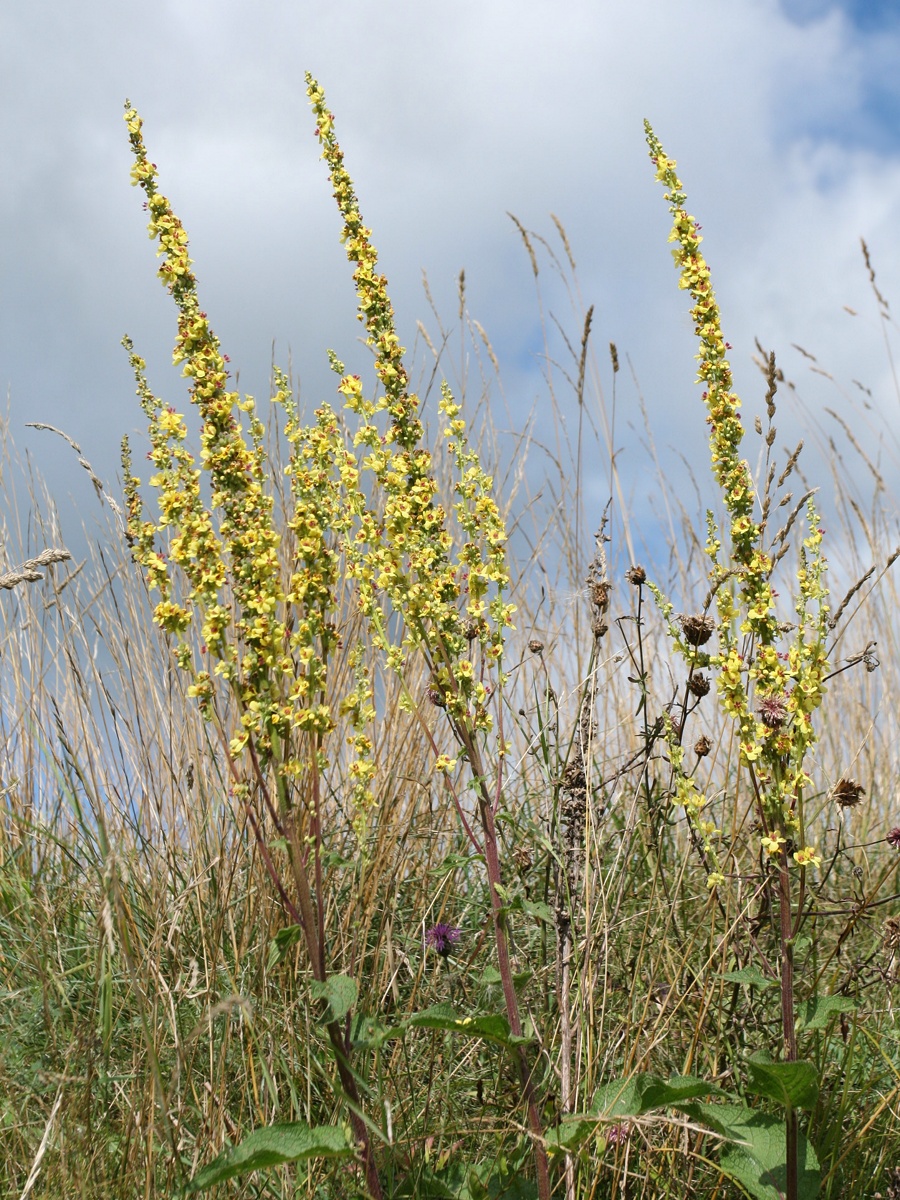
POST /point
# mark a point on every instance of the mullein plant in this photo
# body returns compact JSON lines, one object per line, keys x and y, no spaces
{"x":770,"y":674}
{"x":253,"y":609}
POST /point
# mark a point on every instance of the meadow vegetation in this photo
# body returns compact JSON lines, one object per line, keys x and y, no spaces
{"x":342,"y":854}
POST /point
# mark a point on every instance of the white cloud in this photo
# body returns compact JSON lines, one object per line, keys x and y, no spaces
{"x":449,"y":116}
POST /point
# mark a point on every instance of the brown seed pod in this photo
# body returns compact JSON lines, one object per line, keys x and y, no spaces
{"x":697,"y":629}
{"x":847,"y":793}
{"x":698,"y":684}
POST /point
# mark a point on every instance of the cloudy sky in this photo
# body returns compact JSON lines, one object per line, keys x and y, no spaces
{"x":784,"y":116}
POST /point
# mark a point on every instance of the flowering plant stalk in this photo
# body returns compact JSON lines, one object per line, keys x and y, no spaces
{"x":770,"y":676}
{"x":253,"y":610}
{"x":448,"y":608}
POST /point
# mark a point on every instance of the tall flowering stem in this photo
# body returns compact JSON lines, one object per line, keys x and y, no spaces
{"x":769,"y":682}
{"x":448,"y":606}
{"x":253,"y":608}
{"x":226,"y":599}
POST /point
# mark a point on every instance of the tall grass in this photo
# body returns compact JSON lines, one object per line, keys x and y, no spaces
{"x":511,"y":977}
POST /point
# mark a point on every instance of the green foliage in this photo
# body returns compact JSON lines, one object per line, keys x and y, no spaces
{"x":272,"y":1147}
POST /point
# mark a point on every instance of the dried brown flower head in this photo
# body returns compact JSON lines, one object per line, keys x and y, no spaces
{"x":697,"y":629}
{"x":470,"y":629}
{"x":599,"y":591}
{"x":702,"y":747}
{"x":522,"y":859}
{"x":535,"y":646}
{"x":892,"y":934}
{"x":893,"y":838}
{"x":698,"y":684}
{"x":636,"y":575}
{"x":599,"y":627}
{"x":847,"y":793}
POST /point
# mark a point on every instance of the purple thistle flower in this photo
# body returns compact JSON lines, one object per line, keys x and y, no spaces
{"x":442,"y":938}
{"x":773,"y":711}
{"x":616,"y":1134}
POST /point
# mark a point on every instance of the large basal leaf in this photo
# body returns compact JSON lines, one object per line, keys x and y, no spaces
{"x":642,"y":1093}
{"x":755,"y":1155}
{"x":272,"y":1147}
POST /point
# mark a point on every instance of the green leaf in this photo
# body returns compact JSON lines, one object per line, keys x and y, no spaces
{"x":271,"y":1147}
{"x":642,"y":1093}
{"x":460,"y":1181}
{"x":490,"y":975}
{"x":818,"y":1012}
{"x":283,"y":941}
{"x":491,"y":1027}
{"x":758,"y":1161}
{"x":570,"y":1134}
{"x":540,"y":911}
{"x":750,"y":977}
{"x":791,"y":1084}
{"x":340,"y":992}
{"x":454,"y":861}
{"x":367,"y":1033}
{"x":332,"y":861}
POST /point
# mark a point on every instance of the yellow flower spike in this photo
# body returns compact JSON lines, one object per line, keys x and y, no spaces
{"x":793,"y":682}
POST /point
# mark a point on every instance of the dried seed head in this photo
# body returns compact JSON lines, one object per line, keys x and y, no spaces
{"x":636,"y":575}
{"x":470,"y":630}
{"x":892,"y":934}
{"x":698,"y":684}
{"x":436,"y":696}
{"x":893,"y":838}
{"x":773,"y":711}
{"x":535,"y":646}
{"x":702,"y":747}
{"x":697,"y":629}
{"x":893,"y":1186}
{"x":574,"y":777}
{"x":522,"y":859}
{"x":599,"y":593}
{"x":847,"y":793}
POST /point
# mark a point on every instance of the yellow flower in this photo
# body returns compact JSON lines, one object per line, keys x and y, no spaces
{"x":807,"y":857}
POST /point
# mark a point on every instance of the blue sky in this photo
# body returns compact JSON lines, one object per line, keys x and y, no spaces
{"x":782,"y":116}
